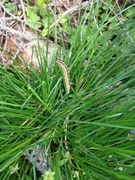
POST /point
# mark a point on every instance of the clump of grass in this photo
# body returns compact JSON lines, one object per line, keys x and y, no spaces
{"x":100,"y":109}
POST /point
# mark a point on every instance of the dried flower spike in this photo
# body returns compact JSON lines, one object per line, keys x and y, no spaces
{"x":65,"y":71}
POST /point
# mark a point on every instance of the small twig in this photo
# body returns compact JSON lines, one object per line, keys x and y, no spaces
{"x":66,"y":125}
{"x":13,"y":31}
{"x":11,"y":15}
{"x":72,"y":9}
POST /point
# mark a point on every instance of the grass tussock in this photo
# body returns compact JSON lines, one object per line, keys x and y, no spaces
{"x":96,"y":141}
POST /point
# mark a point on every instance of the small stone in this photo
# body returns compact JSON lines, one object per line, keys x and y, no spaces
{"x":38,"y":157}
